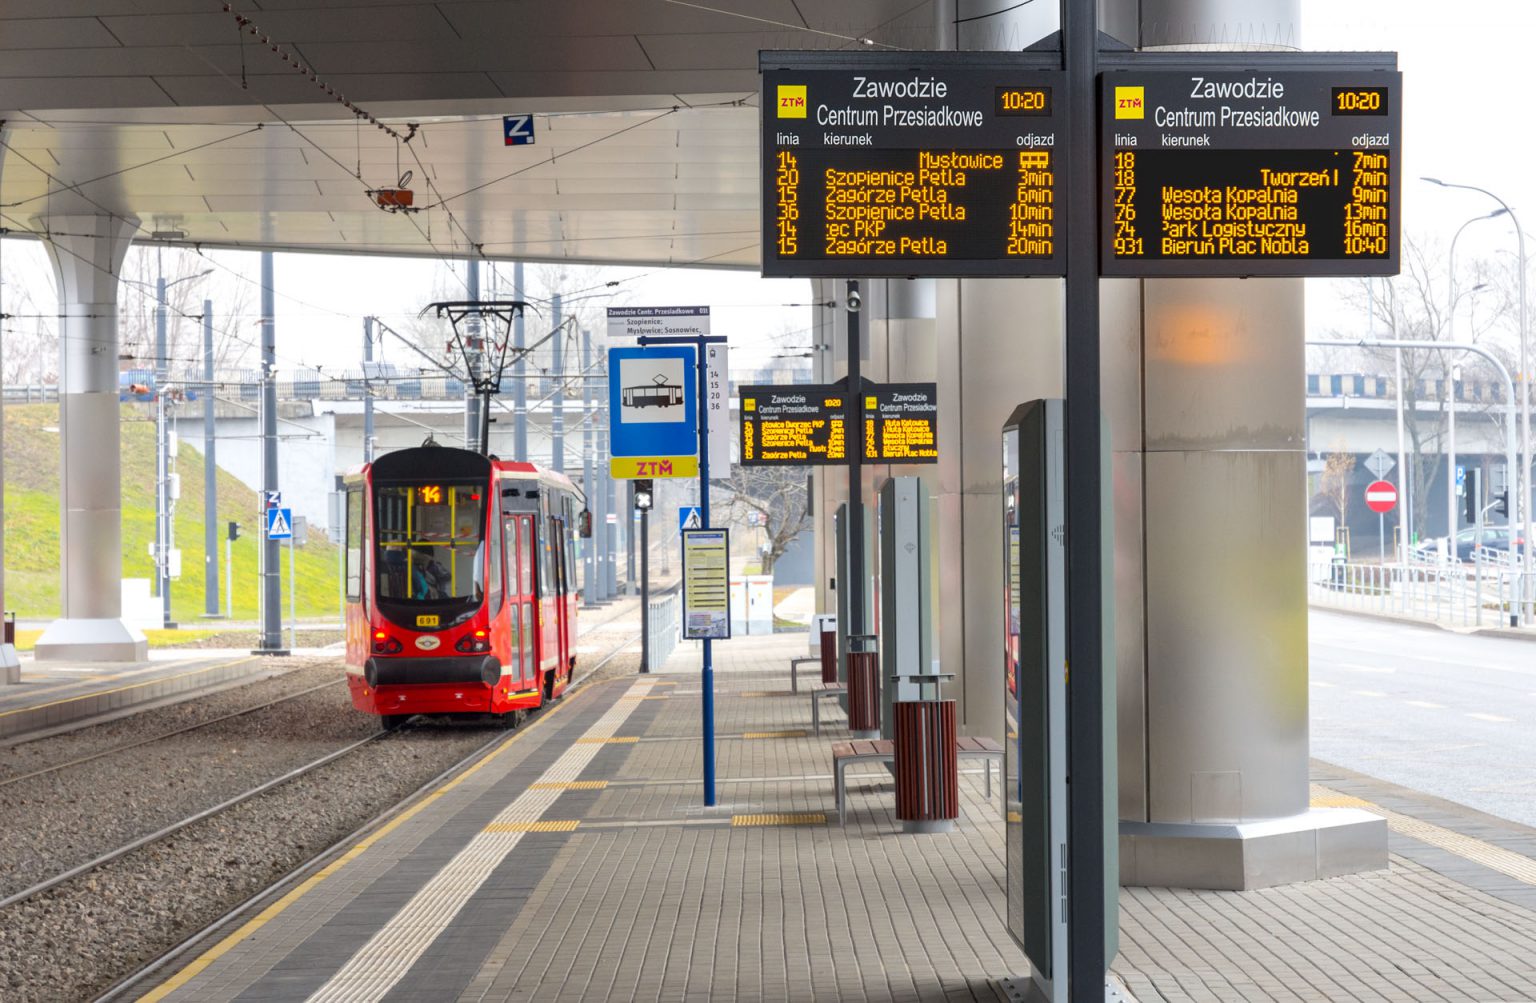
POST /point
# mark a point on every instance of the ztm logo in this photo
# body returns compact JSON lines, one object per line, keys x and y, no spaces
{"x":1130,"y":102}
{"x":791,"y":100}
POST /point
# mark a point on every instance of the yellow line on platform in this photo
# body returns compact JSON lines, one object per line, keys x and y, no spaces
{"x":618,"y":740}
{"x":1507,"y":862}
{"x":570,"y":785}
{"x":797,"y":733}
{"x":782,"y":818}
{"x":276,"y":909}
{"x":547,"y":825}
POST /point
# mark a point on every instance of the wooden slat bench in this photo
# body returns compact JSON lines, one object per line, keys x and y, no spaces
{"x":845,"y":754}
{"x":825,"y":690}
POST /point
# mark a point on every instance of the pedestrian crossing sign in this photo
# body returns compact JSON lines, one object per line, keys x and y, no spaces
{"x":688,"y":517}
{"x":279,"y":523}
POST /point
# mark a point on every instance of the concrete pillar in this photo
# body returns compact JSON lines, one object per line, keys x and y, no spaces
{"x":10,"y":666}
{"x":87,"y":253}
{"x":1203,"y":385}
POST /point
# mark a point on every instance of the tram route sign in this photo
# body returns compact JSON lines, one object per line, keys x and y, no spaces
{"x":1215,"y":168}
{"x":806,"y":424}
{"x":881,"y":164}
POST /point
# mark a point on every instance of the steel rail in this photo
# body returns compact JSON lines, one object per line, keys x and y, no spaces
{"x":175,"y":827}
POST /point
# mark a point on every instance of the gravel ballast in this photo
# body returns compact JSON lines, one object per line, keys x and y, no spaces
{"x":77,"y":939}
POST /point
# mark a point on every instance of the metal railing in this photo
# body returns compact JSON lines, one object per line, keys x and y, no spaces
{"x":665,"y":615}
{"x":1491,"y":591}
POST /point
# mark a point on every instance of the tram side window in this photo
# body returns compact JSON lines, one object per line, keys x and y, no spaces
{"x":493,"y":587}
{"x":525,"y":552}
{"x":354,"y":544}
{"x":430,"y":542}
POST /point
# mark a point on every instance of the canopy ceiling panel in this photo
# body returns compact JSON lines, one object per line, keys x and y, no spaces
{"x":644,"y":112}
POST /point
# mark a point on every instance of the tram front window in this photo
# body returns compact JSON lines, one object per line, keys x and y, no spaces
{"x":429,"y":545}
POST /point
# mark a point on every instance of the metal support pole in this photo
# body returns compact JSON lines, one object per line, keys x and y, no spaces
{"x":645,"y":606}
{"x":557,"y":403}
{"x":1086,"y":889}
{"x":1453,"y":376}
{"x":853,"y":434}
{"x":162,"y":509}
{"x":629,"y":542}
{"x":708,"y":678}
{"x":472,"y":334}
{"x":271,"y":577}
{"x":588,"y":486}
{"x":519,"y":370}
{"x":229,"y":578}
{"x":1405,"y":524}
{"x":293,"y":600}
{"x":210,"y":475}
{"x":367,"y":391}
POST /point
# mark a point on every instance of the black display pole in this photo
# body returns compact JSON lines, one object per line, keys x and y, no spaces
{"x":645,"y":590}
{"x":1087,"y":964}
{"x":853,"y":443}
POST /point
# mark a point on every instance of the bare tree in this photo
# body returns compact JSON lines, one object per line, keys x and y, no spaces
{"x":777,"y":496}
{"x":1416,"y":306}
{"x":1338,"y":470}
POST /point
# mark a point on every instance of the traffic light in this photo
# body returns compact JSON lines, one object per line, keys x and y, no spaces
{"x":1501,"y":502}
{"x":584,"y":524}
{"x":644,"y":495}
{"x":234,"y":531}
{"x":1472,"y":495}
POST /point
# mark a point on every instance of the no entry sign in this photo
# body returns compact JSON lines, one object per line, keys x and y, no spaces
{"x":1381,"y":496}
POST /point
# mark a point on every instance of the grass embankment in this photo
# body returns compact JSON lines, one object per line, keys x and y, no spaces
{"x":32,"y":523}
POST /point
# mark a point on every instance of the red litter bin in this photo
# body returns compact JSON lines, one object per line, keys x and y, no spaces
{"x":927,"y":760}
{"x":829,"y":652}
{"x":863,"y":687}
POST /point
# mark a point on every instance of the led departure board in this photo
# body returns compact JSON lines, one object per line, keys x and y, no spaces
{"x":1265,"y":171}
{"x":901,"y":423}
{"x":792,"y":425}
{"x":881,"y":164}
{"x":804,"y":425}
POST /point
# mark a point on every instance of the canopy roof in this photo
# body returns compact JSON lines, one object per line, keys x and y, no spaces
{"x":645,"y":120}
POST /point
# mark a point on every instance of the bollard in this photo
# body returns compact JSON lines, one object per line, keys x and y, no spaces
{"x":829,"y":653}
{"x":927,"y":766}
{"x":863,"y":687}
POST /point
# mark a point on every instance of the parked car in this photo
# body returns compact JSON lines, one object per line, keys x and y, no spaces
{"x":1468,"y":542}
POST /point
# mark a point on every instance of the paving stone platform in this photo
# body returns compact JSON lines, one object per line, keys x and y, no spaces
{"x":578,"y":863}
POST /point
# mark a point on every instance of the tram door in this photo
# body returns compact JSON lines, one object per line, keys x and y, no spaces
{"x":556,"y":553}
{"x":522,"y":598}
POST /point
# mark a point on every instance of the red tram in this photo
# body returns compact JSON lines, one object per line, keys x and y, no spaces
{"x":460,"y":585}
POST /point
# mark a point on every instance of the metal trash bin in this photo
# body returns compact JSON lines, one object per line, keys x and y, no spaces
{"x":863,"y":686}
{"x":927,"y":759}
{"x":829,"y":651}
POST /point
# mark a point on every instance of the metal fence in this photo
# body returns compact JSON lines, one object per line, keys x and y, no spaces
{"x":1490,"y":592}
{"x":665,"y":616}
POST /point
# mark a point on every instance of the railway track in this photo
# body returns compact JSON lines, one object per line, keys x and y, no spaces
{"x":125,"y":987}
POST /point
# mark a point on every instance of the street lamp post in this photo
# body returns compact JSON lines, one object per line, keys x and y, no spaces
{"x":1454,"y":376}
{"x":1521,"y":483}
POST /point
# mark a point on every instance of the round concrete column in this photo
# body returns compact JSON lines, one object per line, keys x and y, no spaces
{"x":87,"y":253}
{"x":1214,"y":715}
